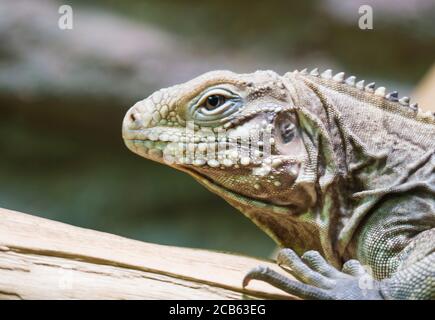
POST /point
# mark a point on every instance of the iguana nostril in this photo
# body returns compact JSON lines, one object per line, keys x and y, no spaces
{"x":133,"y":120}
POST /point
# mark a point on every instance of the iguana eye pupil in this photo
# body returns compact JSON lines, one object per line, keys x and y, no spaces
{"x":214,"y":101}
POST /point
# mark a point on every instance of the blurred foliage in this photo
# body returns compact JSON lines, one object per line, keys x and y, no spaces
{"x":61,"y":152}
{"x":399,"y":47}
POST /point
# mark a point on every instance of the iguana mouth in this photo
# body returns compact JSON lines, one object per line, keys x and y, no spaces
{"x":196,"y":151}
{"x":261,"y":181}
{"x":154,"y":150}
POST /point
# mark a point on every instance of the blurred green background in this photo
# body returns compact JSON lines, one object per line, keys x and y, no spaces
{"x":63,"y":94}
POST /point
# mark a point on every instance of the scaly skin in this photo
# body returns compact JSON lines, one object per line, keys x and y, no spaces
{"x":332,"y":170}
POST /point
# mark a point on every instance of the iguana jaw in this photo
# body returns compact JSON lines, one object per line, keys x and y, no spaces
{"x":266,"y":183}
{"x":153,"y":150}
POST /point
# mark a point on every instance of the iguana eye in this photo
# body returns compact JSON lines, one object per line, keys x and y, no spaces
{"x":214,"y":101}
{"x":214,"y":105}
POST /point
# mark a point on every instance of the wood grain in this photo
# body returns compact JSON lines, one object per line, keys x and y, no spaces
{"x":44,"y":259}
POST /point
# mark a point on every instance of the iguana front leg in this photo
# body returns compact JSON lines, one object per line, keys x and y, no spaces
{"x":414,"y":278}
{"x":319,"y":280}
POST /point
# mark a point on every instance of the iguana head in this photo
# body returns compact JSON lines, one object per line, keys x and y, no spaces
{"x":238,"y":134}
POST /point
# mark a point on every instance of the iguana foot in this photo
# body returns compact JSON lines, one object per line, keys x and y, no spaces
{"x":318,"y":279}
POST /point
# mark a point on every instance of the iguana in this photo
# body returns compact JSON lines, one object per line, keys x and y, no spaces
{"x":335,"y":171}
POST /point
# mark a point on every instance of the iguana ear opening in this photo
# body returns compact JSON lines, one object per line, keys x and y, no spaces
{"x":288,"y":140}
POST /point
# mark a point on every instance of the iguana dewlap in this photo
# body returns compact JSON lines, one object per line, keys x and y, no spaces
{"x":332,"y":169}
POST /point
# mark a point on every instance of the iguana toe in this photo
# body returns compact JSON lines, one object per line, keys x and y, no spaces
{"x":287,"y":257}
{"x":354,"y":268}
{"x":316,"y":262}
{"x":278,"y":280}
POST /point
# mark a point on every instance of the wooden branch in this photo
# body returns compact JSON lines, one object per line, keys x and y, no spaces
{"x":44,"y":259}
